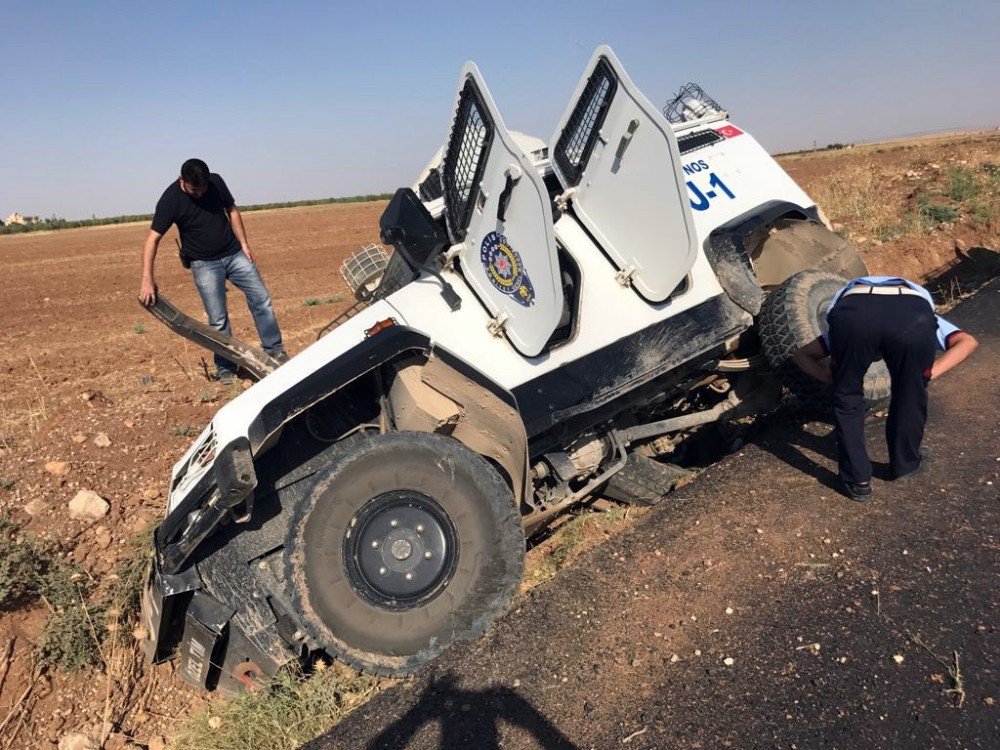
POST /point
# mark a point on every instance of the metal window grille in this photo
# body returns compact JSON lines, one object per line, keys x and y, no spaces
{"x":694,"y":141}
{"x":690,"y":103}
{"x":576,"y":142}
{"x":465,"y":159}
{"x":430,"y":188}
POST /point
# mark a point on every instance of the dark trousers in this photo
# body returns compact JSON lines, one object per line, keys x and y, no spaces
{"x":902,"y":330}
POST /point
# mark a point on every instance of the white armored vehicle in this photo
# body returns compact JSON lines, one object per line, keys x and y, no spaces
{"x":555,"y":320}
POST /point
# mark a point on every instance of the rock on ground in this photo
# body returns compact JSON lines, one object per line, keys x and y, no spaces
{"x":35,"y":507}
{"x":57,"y":468}
{"x":88,"y":505}
{"x":77,"y":741}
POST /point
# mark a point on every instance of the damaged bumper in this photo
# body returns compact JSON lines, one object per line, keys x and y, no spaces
{"x":213,"y":610}
{"x":218,"y":645}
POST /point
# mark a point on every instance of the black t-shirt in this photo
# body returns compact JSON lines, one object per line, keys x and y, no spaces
{"x":206,"y":233}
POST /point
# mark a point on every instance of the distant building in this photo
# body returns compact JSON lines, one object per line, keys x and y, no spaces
{"x":16,"y":218}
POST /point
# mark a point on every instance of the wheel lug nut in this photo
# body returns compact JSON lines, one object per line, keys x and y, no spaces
{"x":409,"y":576}
{"x":394,"y":523}
{"x":375,"y":543}
{"x":420,"y":528}
{"x":381,"y":571}
{"x":428,"y":555}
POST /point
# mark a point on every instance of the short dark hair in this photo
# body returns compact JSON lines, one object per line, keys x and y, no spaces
{"x":195,"y":173}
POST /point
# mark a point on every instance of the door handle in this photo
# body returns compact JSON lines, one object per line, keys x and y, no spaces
{"x":513,"y":173}
{"x":626,"y":139}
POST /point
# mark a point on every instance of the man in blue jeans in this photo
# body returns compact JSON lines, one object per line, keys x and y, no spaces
{"x":214,"y":245}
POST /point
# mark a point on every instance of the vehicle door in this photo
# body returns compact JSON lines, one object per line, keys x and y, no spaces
{"x":619,"y":155}
{"x":498,"y":209}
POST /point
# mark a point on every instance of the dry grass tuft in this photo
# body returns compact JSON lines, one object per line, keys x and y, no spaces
{"x":856,"y":196}
{"x":878,"y":201}
{"x":566,"y":543}
{"x":294,"y":709}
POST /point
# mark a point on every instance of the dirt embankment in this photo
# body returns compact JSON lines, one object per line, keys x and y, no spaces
{"x":95,"y":395}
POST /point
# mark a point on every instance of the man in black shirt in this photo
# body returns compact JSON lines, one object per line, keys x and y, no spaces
{"x":214,"y":242}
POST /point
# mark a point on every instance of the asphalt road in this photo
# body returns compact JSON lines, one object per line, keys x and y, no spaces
{"x":847,"y":624}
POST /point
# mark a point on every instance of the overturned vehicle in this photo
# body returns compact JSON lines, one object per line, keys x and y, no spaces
{"x":553,"y":323}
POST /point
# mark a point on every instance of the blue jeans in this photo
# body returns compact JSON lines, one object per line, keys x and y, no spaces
{"x":210,"y":278}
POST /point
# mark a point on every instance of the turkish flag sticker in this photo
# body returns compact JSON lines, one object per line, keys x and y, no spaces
{"x":729,"y":131}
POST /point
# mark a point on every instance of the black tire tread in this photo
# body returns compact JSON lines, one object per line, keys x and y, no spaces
{"x":784,"y":327}
{"x":498,"y":598}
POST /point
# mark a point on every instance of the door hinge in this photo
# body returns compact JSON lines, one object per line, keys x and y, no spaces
{"x":624,"y":277}
{"x":562,"y":200}
{"x":498,"y":325}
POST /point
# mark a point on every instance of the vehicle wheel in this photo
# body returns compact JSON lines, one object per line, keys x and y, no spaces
{"x":407,"y":543}
{"x":793,"y":315}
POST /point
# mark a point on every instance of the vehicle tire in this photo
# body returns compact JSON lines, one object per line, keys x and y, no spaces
{"x":794,"y":314}
{"x":407,"y":543}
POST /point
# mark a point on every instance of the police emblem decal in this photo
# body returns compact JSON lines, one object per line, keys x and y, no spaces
{"x":505,"y":269}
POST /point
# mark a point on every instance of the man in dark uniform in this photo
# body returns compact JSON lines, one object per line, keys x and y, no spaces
{"x":889,"y":318}
{"x":214,"y":242}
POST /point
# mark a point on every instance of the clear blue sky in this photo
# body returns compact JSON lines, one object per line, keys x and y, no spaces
{"x":103,"y":101}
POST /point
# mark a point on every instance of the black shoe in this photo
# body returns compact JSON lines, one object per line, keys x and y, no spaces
{"x":280,"y":356}
{"x":925,"y":458}
{"x":225,"y":377}
{"x":859,"y":492}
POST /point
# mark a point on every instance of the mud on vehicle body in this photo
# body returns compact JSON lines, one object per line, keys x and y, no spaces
{"x":553,"y":324}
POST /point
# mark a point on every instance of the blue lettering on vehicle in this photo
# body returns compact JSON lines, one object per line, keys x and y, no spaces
{"x":702,"y":200}
{"x":695,"y":166}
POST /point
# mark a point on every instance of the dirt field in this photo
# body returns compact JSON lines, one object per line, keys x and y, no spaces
{"x":90,"y":379}
{"x":80,"y":357}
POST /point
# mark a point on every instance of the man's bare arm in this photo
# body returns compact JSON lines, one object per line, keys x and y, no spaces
{"x":236,"y":219}
{"x":810,"y":359}
{"x":147,"y":289}
{"x":960,"y":346}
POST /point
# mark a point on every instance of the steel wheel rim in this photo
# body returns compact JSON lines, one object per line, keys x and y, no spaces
{"x":400,"y":550}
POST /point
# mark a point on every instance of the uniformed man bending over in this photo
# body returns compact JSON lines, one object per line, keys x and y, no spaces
{"x":893,"y":319}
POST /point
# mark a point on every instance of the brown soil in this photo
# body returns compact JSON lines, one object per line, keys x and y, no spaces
{"x":81,"y":358}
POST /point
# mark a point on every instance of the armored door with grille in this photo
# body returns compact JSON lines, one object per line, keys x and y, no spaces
{"x":498,"y":210}
{"x":620,"y":155}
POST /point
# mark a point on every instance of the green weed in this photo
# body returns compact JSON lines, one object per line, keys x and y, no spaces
{"x":962,"y":185}
{"x":910,"y":223}
{"x":316,"y":301}
{"x":184,"y":430}
{"x":72,"y":636}
{"x":30,"y":570}
{"x":22,"y":566}
{"x":981,"y":213}
{"x":937,"y":213}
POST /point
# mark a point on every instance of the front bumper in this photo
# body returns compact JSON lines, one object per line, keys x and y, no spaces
{"x":219,"y":646}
